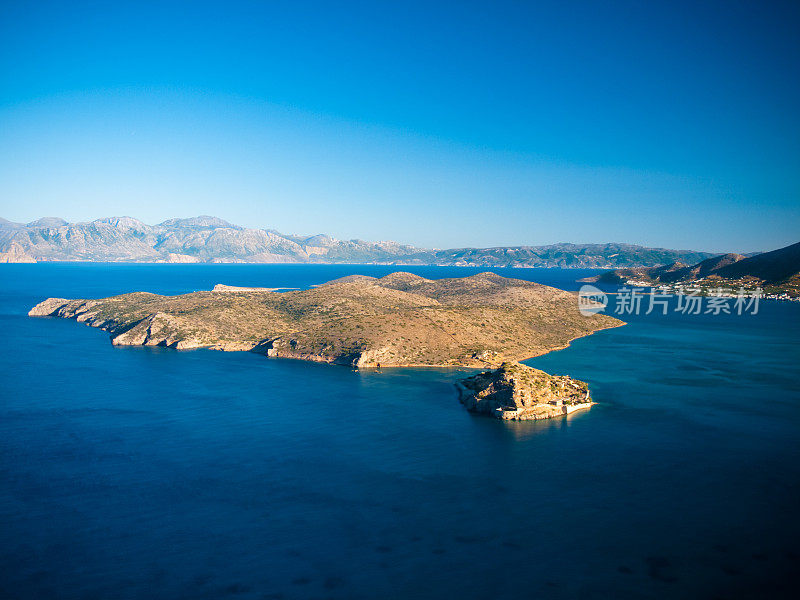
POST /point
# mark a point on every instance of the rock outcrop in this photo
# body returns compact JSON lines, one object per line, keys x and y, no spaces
{"x":520,"y":393}
{"x":14,"y":253}
{"x":50,"y":308}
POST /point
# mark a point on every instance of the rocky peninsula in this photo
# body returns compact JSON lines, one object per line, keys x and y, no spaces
{"x":394,"y":321}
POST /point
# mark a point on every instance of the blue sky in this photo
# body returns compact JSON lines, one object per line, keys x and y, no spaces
{"x":438,"y":124}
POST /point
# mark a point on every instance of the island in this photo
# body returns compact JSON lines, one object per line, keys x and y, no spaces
{"x":521,"y":393}
{"x":400,"y":320}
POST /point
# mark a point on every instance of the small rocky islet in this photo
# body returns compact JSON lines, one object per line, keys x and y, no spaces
{"x":518,"y":392}
{"x":400,"y":320}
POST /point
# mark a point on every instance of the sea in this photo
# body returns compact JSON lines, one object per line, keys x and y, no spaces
{"x":131,"y":472}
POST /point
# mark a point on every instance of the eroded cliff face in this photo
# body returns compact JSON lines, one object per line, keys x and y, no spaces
{"x":14,"y":253}
{"x":156,"y":329}
{"x":518,"y":392}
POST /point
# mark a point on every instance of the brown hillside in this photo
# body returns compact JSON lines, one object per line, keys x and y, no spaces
{"x":400,"y":319}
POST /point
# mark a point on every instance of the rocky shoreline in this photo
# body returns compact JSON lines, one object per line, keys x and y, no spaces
{"x":400,"y":320}
{"x":395,"y":321}
{"x":517,"y":392}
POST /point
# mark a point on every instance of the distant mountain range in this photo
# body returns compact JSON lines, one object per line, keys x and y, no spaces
{"x":777,"y":272}
{"x":210,"y":239}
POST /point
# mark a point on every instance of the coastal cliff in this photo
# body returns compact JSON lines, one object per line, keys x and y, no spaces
{"x":14,"y":253}
{"x":397,"y":320}
{"x":521,"y":393}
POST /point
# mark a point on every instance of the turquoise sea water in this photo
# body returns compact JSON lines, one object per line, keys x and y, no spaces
{"x":155,"y":473}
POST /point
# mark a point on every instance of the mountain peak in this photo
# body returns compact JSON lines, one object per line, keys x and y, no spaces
{"x":48,"y":222}
{"x":199,"y":222}
{"x":207,"y":238}
{"x":123,"y":223}
{"x":772,"y":267}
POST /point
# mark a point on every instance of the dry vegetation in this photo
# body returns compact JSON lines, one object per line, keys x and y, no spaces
{"x":400,"y":319}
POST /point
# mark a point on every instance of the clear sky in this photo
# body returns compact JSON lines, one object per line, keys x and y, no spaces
{"x":669,"y":124}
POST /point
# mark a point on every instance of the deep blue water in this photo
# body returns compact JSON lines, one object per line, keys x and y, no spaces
{"x":155,"y":473}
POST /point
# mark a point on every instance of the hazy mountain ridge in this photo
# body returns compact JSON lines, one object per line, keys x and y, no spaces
{"x":210,"y":239}
{"x":567,"y":255}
